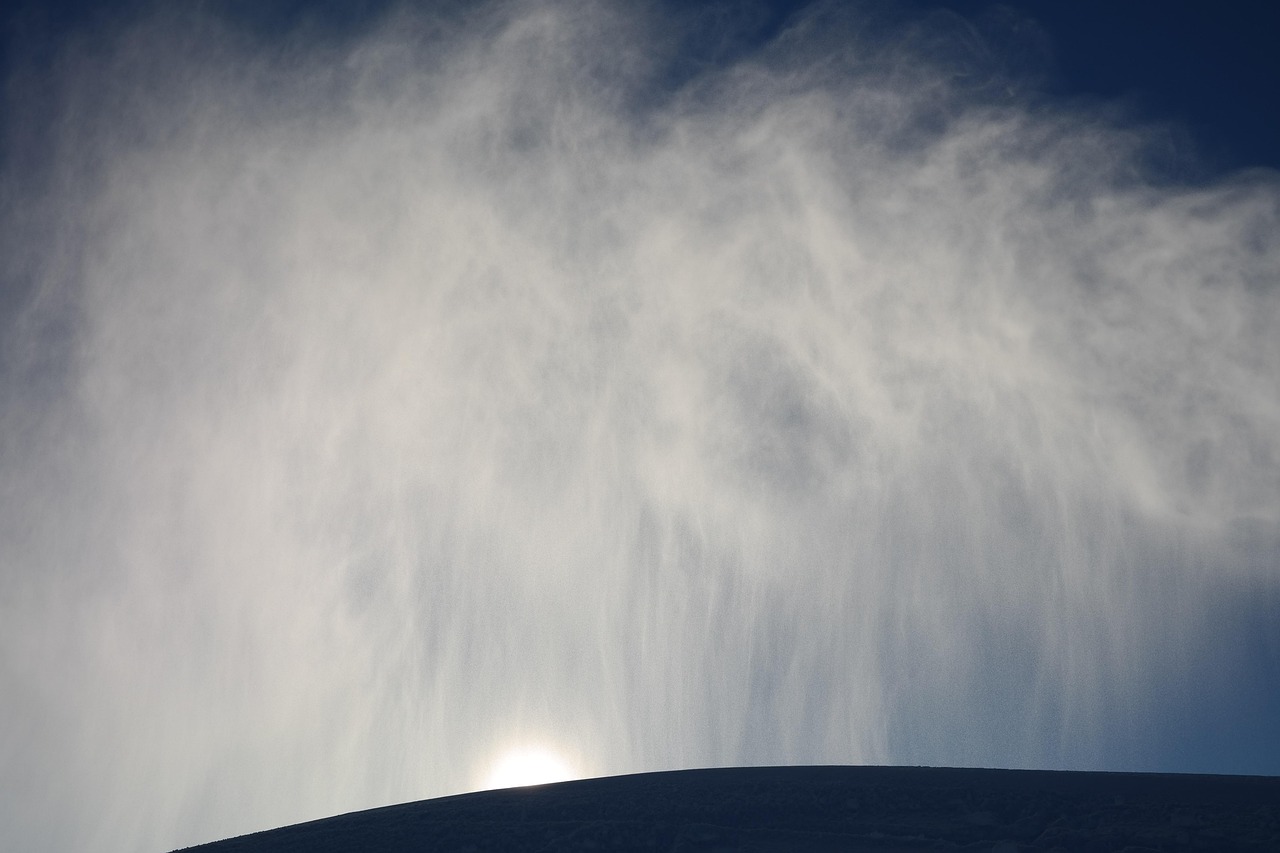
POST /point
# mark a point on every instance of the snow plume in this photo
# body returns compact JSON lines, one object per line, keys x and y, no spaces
{"x":367,"y":402}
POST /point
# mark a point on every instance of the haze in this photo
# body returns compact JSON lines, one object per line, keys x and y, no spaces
{"x":496,"y":377}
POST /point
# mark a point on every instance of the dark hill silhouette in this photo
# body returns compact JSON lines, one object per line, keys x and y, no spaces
{"x":896,"y":809}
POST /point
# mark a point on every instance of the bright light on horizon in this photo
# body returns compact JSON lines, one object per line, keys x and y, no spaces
{"x":525,"y":766}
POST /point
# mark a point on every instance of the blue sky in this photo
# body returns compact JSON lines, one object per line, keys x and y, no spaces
{"x":1205,"y":73}
{"x":1207,"y":69}
{"x":388,"y":390}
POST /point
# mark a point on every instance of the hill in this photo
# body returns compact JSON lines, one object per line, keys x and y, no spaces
{"x":815,"y":809}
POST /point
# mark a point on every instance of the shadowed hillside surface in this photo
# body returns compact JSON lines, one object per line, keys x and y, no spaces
{"x":816,"y":808}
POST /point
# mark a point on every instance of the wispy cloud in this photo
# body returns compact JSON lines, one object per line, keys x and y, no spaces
{"x":365,"y":402}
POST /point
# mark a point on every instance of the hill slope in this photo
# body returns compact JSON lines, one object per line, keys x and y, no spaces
{"x":816,"y":808}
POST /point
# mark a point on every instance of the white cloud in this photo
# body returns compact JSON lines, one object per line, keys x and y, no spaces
{"x":371,"y":401}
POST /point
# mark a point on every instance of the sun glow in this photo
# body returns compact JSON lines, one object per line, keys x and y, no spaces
{"x":529,"y":766}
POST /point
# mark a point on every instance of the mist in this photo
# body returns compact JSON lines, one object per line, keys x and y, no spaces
{"x":370,"y":404}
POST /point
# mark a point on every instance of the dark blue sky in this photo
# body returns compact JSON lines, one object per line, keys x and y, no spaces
{"x":1212,"y":66}
{"x":1209,"y":70}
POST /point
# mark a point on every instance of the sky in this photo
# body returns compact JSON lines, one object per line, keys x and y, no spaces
{"x":390,"y":390}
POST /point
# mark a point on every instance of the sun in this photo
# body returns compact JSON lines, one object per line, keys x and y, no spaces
{"x":530,"y":765}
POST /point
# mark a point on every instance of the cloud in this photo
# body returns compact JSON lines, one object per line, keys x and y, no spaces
{"x":366,"y":400}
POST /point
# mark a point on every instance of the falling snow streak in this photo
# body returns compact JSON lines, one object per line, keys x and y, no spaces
{"x":367,"y":405}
